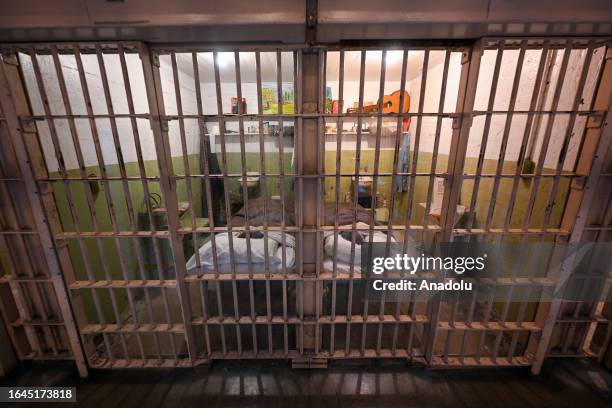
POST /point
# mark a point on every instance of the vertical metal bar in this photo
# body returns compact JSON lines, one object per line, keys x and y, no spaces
{"x":434,"y":156}
{"x":185,"y":153}
{"x":156,"y":107}
{"x":264,"y":185}
{"x":381,"y":92}
{"x":221,"y":122}
{"x":204,"y":285}
{"x":206,"y":169}
{"x":281,"y":152}
{"x":300,"y":149}
{"x":339,"y":130}
{"x":357,"y":158}
{"x":399,"y":136}
{"x":245,"y":194}
{"x":245,"y":191}
{"x":355,"y":195}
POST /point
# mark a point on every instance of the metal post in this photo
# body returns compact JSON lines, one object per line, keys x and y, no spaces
{"x":462,"y":124}
{"x":309,"y":137}
{"x":168,"y":186}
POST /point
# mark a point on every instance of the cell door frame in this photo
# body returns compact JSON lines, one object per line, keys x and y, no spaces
{"x":309,"y":121}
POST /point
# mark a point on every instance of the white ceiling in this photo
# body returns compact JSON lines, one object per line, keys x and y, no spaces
{"x":284,"y":20}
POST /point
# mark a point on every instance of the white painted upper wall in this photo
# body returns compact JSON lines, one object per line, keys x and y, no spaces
{"x":431,"y":100}
{"x":500,"y":103}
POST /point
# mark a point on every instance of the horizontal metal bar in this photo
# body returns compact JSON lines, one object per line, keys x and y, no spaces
{"x":122,"y":284}
{"x":314,"y":176}
{"x":132,"y":328}
{"x":20,"y":232}
{"x":465,"y":361}
{"x":323,"y":228}
{"x":231,"y":117}
{"x":112,"y":234}
{"x":97,"y":178}
{"x":489,"y":326}
{"x":509,"y":231}
{"x":37,"y":322}
{"x":584,"y":319}
{"x":323,"y":319}
{"x":28,"y":279}
{"x":520,"y":176}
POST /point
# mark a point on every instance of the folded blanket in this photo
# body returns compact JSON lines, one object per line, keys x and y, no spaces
{"x":240,"y":253}
{"x":345,"y":242}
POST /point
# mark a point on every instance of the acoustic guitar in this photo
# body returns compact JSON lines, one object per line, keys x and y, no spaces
{"x":390,"y":104}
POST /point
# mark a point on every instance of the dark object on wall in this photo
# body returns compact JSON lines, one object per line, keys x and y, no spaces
{"x":160,"y":222}
{"x":94,"y":185}
{"x":217,"y":192}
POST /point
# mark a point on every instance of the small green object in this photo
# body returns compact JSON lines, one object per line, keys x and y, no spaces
{"x":528,"y":166}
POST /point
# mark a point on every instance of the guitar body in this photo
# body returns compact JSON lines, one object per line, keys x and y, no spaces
{"x":391,"y":103}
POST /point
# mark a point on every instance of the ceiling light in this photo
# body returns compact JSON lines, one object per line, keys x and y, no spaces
{"x":224,"y":59}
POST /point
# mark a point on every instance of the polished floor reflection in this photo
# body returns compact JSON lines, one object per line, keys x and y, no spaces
{"x":270,"y":384}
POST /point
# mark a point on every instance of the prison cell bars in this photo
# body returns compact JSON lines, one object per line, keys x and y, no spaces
{"x":380,"y":317}
{"x":318,"y":210}
{"x":520,"y":325}
{"x":13,"y":104}
{"x":118,"y":329}
{"x":237,"y":320}
{"x":465,"y":328}
{"x":597,"y":136}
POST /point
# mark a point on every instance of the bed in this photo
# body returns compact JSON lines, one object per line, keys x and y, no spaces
{"x":242,"y":261}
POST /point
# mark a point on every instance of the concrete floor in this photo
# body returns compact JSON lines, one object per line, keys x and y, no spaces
{"x":563,"y":383}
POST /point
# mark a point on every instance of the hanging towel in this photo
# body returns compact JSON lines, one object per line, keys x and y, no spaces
{"x":401,"y":182}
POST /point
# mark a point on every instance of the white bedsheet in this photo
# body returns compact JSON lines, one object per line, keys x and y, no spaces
{"x":240,"y":254}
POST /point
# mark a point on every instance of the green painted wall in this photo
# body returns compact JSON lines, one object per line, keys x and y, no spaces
{"x":110,"y":260}
{"x":347,"y":165}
